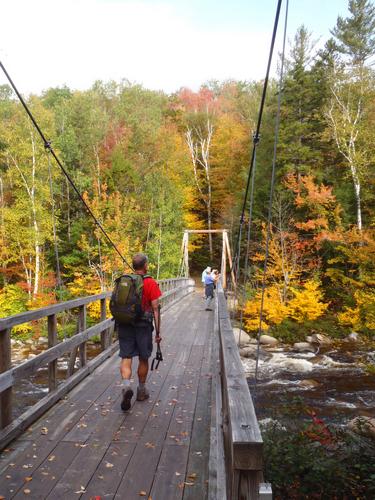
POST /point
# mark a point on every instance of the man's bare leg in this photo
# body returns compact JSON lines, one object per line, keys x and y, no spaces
{"x":127,"y":393}
{"x":126,"y":368}
{"x":142,"y":392}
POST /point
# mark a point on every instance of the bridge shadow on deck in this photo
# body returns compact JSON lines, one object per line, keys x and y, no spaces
{"x":85,"y":446}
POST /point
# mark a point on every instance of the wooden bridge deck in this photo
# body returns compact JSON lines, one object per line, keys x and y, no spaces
{"x":86,"y":447}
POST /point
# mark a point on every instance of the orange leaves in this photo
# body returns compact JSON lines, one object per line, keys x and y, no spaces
{"x":308,"y":192}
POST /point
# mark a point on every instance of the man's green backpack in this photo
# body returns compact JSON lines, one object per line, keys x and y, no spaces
{"x":126,"y":300}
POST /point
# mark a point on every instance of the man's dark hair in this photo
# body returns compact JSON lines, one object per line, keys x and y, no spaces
{"x":139,"y":261}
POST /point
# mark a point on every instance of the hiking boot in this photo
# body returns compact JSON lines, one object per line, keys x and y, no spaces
{"x":126,"y":399}
{"x":142,"y":394}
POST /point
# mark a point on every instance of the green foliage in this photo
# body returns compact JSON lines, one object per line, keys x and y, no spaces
{"x":300,"y":466}
{"x":290,"y":331}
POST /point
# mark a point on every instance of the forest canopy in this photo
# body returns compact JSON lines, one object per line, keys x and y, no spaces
{"x":150,"y":164}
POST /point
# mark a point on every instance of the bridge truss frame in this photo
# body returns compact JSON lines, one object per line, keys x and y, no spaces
{"x":225,"y":255}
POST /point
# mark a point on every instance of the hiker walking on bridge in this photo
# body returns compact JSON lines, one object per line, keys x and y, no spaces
{"x":210,"y":282}
{"x":135,"y":325}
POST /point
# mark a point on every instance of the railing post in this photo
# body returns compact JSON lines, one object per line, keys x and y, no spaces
{"x":5,"y":364}
{"x":52,"y":340}
{"x":104,"y":333}
{"x":81,"y":327}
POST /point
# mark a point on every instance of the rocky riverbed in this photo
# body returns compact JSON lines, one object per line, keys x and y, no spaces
{"x":336,"y":379}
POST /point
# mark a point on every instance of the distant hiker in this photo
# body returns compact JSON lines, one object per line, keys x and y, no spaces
{"x":134,"y":305}
{"x":204,"y":274}
{"x":207,"y":270}
{"x":209,"y":282}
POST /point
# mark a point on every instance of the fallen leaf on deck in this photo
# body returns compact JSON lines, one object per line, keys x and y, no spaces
{"x":28,"y":478}
{"x":27,"y":491}
{"x":142,"y":493}
{"x":82,"y":490}
{"x":178,"y":473}
{"x":51,"y":458}
{"x":192,"y":476}
{"x":44,"y":430}
{"x":101,"y":477}
{"x":26,"y":466}
{"x":108,"y":465}
{"x":189,"y":484}
{"x":150,"y":445}
{"x":8,"y":477}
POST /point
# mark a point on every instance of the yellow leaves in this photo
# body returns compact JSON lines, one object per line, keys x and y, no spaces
{"x":274,"y":309}
{"x":362,"y":315}
{"x":306,"y":303}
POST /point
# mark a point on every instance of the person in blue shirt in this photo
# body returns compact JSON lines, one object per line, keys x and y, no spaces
{"x":209,"y":282}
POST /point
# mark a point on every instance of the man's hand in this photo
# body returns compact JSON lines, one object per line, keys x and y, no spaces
{"x":158,"y":339}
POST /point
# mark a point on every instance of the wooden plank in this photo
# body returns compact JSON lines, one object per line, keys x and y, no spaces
{"x":104,"y":334}
{"x":217,"y":489}
{"x":105,"y":480}
{"x":197,"y":467}
{"x":169,"y":480}
{"x":52,"y":341}
{"x":48,"y":473}
{"x":5,"y":364}
{"x":26,"y":317}
{"x":198,"y":231}
{"x":82,"y":318}
{"x":21,"y":423}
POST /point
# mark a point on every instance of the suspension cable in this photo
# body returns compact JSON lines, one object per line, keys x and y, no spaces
{"x":245,"y":277}
{"x":256,"y":136}
{"x":272,"y":188}
{"x":48,"y":147}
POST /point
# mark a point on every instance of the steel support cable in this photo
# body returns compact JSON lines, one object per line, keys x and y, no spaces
{"x":49,"y":148}
{"x":272,"y":188}
{"x":257,"y":132}
{"x":245,"y":277}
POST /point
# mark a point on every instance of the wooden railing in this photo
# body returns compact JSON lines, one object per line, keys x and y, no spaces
{"x":236,"y":442}
{"x":173,"y":290}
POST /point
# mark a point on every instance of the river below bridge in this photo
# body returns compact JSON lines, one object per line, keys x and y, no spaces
{"x":336,"y":382}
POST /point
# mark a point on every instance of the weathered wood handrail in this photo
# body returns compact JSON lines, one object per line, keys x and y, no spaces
{"x":241,"y":439}
{"x":173,"y":290}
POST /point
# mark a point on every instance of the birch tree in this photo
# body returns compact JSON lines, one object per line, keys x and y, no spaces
{"x":199,"y":139}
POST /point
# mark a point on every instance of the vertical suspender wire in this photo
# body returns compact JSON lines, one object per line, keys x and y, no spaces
{"x":58,"y":272}
{"x":272,"y":188}
{"x":255,"y":143}
{"x":246,"y":268}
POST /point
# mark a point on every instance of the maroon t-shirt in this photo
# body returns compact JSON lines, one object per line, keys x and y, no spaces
{"x":151,"y":291}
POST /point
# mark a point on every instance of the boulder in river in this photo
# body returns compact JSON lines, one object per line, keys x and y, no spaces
{"x":303,"y":347}
{"x":242,"y":338}
{"x":250,"y":352}
{"x":319,"y":338}
{"x":309,"y":339}
{"x":268,"y":340}
{"x":353,"y":337}
{"x":364,"y":426}
{"x":309,"y":382}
